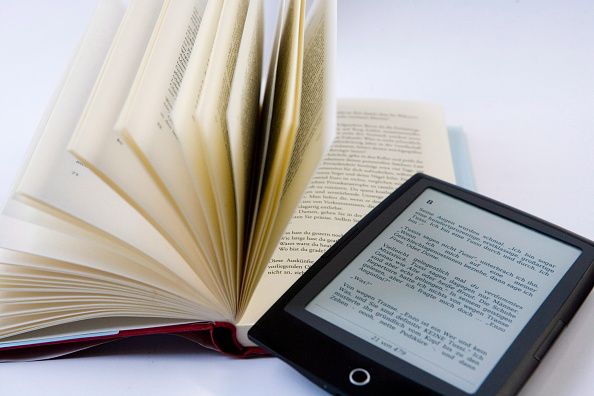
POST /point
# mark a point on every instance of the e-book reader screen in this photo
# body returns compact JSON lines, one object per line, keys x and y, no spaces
{"x":446,"y":287}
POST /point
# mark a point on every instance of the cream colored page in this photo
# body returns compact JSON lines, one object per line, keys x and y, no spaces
{"x":175,"y":271}
{"x":379,"y":145}
{"x":261,"y":152}
{"x":49,"y":262}
{"x":90,"y":279}
{"x":20,"y":315}
{"x":243,"y":110}
{"x":211,"y":126}
{"x":283,"y":127}
{"x":57,"y":252}
{"x":103,"y":106}
{"x":52,"y":177}
{"x":182,"y":116}
{"x":146,"y":121}
{"x":317,"y":118}
{"x":48,"y":172}
{"x":41,"y":276}
{"x":19,"y":235}
{"x":54,"y":181}
{"x":106,"y":153}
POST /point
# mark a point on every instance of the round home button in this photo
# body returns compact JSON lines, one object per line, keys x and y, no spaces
{"x":359,"y":377}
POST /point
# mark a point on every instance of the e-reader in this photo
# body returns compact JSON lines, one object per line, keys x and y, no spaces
{"x":438,"y":290}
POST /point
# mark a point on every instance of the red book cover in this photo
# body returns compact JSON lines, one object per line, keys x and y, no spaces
{"x":219,"y":336}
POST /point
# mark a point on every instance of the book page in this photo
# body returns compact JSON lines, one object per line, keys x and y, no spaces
{"x":48,"y":172}
{"x":213,"y":135}
{"x":317,"y":119}
{"x":49,"y":277}
{"x":379,"y":145}
{"x":55,"y":181}
{"x":113,"y":159}
{"x":43,"y":221}
{"x":146,"y":124}
{"x":88,"y":259}
{"x":66,"y":299}
{"x":57,"y":184}
{"x":282,"y":129}
{"x":243,"y":115}
{"x":262,"y":138}
{"x":182,"y":118}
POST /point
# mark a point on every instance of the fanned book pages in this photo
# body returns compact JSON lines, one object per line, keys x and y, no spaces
{"x":167,"y":192}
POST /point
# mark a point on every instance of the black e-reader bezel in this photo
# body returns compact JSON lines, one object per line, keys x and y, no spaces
{"x":343,"y":363}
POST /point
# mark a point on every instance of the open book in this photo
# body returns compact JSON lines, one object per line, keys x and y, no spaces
{"x":166,"y":193}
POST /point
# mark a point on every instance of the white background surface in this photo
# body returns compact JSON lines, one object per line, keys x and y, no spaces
{"x":517,"y":75}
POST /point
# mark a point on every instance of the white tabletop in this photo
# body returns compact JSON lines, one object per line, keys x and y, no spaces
{"x":517,"y":76}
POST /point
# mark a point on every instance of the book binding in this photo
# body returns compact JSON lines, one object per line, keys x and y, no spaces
{"x":219,"y":336}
